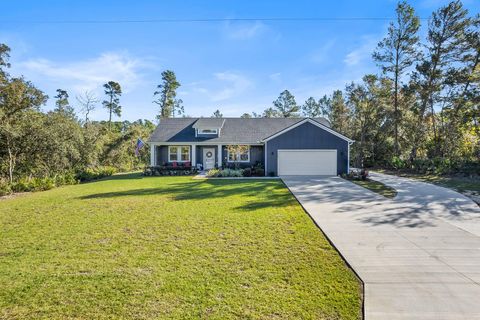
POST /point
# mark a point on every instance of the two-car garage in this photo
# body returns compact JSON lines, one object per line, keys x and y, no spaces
{"x":307,"y":148}
{"x":307,"y":162}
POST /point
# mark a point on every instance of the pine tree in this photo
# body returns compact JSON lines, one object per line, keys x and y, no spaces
{"x":113,"y":91}
{"x":397,"y":52}
{"x":286,"y":106}
{"x":167,"y":93}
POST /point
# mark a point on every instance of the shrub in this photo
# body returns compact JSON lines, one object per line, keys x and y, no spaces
{"x":231,"y":173}
{"x":258,"y":172}
{"x":247,"y":172}
{"x":65,"y":179}
{"x":357,"y":174}
{"x":170,"y":171}
{"x":5,"y":188}
{"x":213,"y":173}
{"x":33,"y":184}
{"x":397,"y":163}
{"x":225,"y":173}
{"x":90,"y":174}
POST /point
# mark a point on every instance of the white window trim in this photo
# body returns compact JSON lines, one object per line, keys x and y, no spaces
{"x":179,"y":153}
{"x":215,"y":131}
{"x":244,"y":161}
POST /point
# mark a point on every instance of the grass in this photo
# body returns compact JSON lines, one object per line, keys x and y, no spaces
{"x":169,"y":248}
{"x":376,"y":186}
{"x":460,"y":184}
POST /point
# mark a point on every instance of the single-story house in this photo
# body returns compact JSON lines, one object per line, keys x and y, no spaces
{"x":282,"y":146}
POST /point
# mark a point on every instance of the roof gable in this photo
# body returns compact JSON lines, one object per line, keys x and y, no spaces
{"x":312,"y":121}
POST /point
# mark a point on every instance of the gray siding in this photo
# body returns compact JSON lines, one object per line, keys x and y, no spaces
{"x":307,"y":136}
{"x":256,"y":155}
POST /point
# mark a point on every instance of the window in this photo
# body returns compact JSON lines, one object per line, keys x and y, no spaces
{"x":185,"y":153}
{"x":179,"y":153}
{"x":172,"y":154}
{"x":238,"y":153}
{"x":207,"y":131}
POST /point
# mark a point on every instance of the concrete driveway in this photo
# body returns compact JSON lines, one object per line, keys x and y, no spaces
{"x":418,"y":254}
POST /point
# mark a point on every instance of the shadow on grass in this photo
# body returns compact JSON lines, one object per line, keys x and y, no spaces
{"x":262,"y":194}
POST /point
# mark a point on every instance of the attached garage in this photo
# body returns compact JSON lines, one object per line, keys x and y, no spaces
{"x":307,"y":148}
{"x":307,"y":162}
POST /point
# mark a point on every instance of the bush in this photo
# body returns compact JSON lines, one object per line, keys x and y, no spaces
{"x":231,"y":173}
{"x":170,"y":171}
{"x":33,"y":184}
{"x":5,"y":188}
{"x":397,"y":163}
{"x":213,"y":173}
{"x":357,"y":174}
{"x":65,"y":179}
{"x":90,"y":174}
{"x":247,"y":172}
{"x":225,"y":173}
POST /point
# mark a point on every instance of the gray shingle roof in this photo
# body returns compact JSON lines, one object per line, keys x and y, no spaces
{"x":234,"y":130}
{"x":209,"y":123}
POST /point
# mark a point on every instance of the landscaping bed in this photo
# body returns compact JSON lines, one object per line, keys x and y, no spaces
{"x":170,"y":171}
{"x":360,"y":177}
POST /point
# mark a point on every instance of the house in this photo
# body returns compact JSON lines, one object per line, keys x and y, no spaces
{"x":283,"y":146}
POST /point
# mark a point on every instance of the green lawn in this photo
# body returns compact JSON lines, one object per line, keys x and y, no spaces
{"x":376,"y":186}
{"x":169,"y":248}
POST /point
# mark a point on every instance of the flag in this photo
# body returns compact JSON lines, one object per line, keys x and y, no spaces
{"x":139,"y":146}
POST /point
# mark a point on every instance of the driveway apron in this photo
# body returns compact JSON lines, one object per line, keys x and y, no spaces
{"x":417,"y":254}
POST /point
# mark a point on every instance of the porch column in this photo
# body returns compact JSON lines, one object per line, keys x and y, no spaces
{"x":152,"y":155}
{"x":219,"y":160}
{"x":194,"y":155}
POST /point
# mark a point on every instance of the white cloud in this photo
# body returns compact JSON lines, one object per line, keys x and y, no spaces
{"x":244,"y":30}
{"x":87,"y":74}
{"x":361,"y":53}
{"x":275,"y":76}
{"x":233,"y":85}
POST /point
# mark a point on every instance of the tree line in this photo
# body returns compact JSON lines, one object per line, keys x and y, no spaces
{"x":37,"y":144}
{"x":423,"y":106}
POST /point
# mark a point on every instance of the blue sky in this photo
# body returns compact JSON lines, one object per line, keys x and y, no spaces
{"x":234,"y":66}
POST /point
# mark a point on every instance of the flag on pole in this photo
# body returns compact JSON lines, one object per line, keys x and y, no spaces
{"x":139,"y":146}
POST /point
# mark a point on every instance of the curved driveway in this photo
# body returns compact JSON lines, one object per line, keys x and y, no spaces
{"x":418,"y":254}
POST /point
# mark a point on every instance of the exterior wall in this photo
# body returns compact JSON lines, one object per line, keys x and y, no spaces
{"x":161,"y":154}
{"x":256,"y":156}
{"x":307,"y":136}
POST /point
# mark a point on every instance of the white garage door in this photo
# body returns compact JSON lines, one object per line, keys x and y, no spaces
{"x":307,"y":162}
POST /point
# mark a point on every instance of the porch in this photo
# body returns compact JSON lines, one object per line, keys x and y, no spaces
{"x":203,"y":156}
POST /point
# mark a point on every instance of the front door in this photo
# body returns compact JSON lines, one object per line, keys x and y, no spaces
{"x":208,"y":158}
